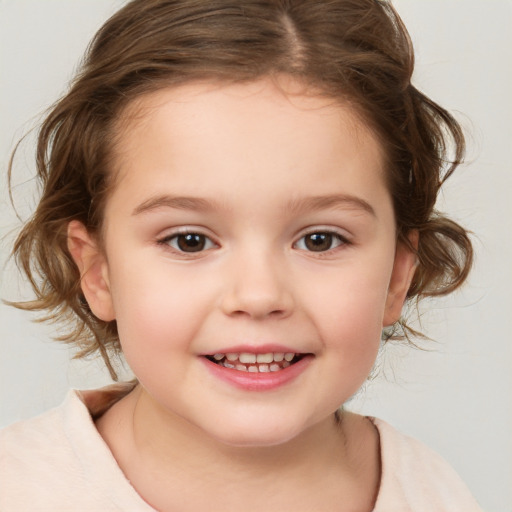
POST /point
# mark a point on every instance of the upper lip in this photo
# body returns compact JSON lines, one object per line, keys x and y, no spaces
{"x":255,"y":349}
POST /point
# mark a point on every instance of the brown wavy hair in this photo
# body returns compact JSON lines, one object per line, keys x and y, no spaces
{"x":355,"y":51}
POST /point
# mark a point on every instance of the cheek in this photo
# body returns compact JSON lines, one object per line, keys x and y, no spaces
{"x":350,"y":301}
{"x":159,"y":309}
{"x":152,"y":307}
{"x":348,"y":310}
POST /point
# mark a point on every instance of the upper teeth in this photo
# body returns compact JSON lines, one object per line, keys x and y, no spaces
{"x":248,"y":358}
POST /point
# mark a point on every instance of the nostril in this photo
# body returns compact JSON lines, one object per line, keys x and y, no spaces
{"x":259,"y":312}
{"x":256,"y":298}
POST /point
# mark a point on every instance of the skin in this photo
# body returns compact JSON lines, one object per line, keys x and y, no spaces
{"x":255,"y":160}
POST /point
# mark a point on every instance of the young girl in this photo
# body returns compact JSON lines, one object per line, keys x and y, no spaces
{"x":239,"y":197}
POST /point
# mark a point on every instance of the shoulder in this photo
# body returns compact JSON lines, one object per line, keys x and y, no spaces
{"x":58,"y":461}
{"x":23,"y":443}
{"x":416,"y":477}
{"x":33,"y":453}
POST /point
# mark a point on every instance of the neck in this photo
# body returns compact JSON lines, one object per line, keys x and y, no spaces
{"x":169,"y":436}
{"x":161,"y":451}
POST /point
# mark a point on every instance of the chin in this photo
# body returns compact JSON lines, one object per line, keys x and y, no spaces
{"x":257,"y":433}
{"x":257,"y":440}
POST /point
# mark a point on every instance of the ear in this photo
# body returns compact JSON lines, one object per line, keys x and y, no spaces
{"x":93,"y":268}
{"x":404,"y":268}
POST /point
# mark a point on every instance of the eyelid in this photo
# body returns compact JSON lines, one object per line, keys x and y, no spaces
{"x":322,"y":228}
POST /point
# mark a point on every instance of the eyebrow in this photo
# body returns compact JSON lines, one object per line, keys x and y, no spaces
{"x":295,"y":206}
{"x":317,"y":203}
{"x":176,"y":202}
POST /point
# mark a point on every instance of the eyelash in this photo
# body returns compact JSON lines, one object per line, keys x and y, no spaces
{"x":206,"y":243}
{"x":333,"y":237}
{"x":167,"y":241}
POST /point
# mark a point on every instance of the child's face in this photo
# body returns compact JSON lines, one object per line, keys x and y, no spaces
{"x":246,"y":221}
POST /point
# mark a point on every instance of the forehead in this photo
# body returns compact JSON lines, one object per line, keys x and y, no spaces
{"x":259,"y":127}
{"x":298,"y":101}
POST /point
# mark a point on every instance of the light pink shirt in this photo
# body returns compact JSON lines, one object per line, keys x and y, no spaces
{"x":58,"y":462}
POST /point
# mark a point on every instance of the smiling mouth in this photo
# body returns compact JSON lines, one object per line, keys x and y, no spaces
{"x":256,"y":363}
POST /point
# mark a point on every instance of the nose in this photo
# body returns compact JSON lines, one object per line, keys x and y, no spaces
{"x":258,"y":287}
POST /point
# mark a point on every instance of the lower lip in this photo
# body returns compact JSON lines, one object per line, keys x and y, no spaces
{"x":264,"y":381}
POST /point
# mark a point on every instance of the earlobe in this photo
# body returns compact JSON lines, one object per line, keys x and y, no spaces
{"x":404,"y":268}
{"x":93,"y":268}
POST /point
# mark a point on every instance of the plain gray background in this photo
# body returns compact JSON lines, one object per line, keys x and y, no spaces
{"x":455,"y":397}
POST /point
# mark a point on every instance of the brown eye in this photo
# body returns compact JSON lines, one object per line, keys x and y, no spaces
{"x":320,"y":242}
{"x":189,"y":242}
